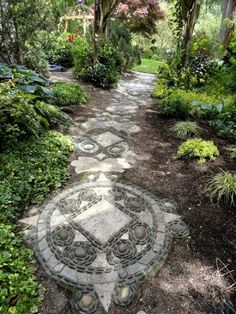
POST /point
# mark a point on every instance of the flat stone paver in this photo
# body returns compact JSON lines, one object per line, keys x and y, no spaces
{"x":102,"y":237}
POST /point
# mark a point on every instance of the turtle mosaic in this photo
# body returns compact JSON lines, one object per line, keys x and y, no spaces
{"x":102,"y":237}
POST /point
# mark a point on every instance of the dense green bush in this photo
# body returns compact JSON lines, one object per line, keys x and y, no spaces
{"x":31,"y":171}
{"x":161,"y":89}
{"x":222,"y":187}
{"x":21,"y":116}
{"x":83,"y":57}
{"x":175,"y":105}
{"x":198,"y":148}
{"x":62,"y":51}
{"x":68,"y":94}
{"x":20,"y":293}
{"x":121,"y":37}
{"x":105,"y":72}
{"x":183,"y":104}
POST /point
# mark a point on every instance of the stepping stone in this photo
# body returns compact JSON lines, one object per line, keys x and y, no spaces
{"x":101,"y":238}
{"x":88,"y":164}
{"x":106,"y":142}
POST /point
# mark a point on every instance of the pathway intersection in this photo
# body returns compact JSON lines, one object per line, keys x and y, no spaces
{"x":102,"y":237}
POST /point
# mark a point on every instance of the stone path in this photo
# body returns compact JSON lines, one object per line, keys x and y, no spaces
{"x":101,"y":237}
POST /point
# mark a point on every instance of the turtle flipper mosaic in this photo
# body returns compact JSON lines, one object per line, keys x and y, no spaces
{"x":102,"y":238}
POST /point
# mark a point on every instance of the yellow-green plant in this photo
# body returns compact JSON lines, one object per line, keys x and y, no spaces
{"x":161,"y":89}
{"x":222,"y":187}
{"x":198,"y":148}
{"x":183,"y":129}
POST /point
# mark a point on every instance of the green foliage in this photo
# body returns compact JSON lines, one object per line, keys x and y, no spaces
{"x":161,"y":89}
{"x":232,"y":151}
{"x":185,"y":129}
{"x":68,"y":94}
{"x":62,"y":51}
{"x":23,"y":31}
{"x":105,"y":72}
{"x":21,"y":116}
{"x":121,"y":37}
{"x":218,"y":110}
{"x":198,"y":148}
{"x":195,"y":74}
{"x":183,"y":104}
{"x":83,"y":57}
{"x":207,"y":27}
{"x":222,"y":187}
{"x":20,"y":293}
{"x":26,"y":80}
{"x":225,"y":122}
{"x":175,"y":105}
{"x":31,"y":171}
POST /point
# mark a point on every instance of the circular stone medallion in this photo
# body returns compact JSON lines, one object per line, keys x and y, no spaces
{"x":102,"y":232}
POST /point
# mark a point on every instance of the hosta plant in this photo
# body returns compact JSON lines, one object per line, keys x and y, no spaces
{"x":222,"y":187}
{"x":198,"y":148}
{"x":184,"y":129}
{"x":232,"y":151}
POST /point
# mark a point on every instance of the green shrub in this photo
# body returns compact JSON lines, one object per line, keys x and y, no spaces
{"x":161,"y":89}
{"x":83,"y":57}
{"x":105,"y":72}
{"x":222,"y":187}
{"x":21,"y":116}
{"x":31,"y":172}
{"x":20,"y":293}
{"x":175,"y":105}
{"x":182,"y":104}
{"x":62,"y":51}
{"x":68,"y":94}
{"x":198,"y":148}
{"x":102,"y":76}
{"x":184,"y":129}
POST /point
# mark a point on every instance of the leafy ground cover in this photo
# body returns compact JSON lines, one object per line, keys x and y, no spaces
{"x":20,"y":293}
{"x":66,"y":94}
{"x":147,"y":66}
{"x":31,"y":171}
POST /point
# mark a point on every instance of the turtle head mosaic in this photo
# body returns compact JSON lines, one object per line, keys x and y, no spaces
{"x":102,"y":238}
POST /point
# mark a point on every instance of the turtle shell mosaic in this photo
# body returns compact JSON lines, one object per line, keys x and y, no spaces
{"x":103,"y":143}
{"x":102,"y":238}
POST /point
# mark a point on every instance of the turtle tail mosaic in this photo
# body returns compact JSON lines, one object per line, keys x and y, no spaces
{"x":102,"y":237}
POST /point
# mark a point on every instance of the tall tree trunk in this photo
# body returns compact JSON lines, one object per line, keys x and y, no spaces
{"x":103,"y":10}
{"x":227,"y":25}
{"x":191,"y":15}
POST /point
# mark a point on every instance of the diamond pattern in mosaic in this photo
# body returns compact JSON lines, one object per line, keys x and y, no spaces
{"x":102,"y":220}
{"x":106,"y":139}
